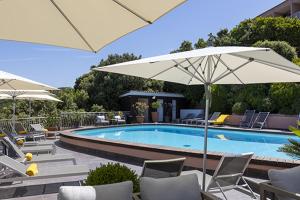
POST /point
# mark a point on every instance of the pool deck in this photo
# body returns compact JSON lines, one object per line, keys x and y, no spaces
{"x":47,"y":189}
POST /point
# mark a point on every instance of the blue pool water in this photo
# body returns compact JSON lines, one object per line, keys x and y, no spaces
{"x":261,"y":144}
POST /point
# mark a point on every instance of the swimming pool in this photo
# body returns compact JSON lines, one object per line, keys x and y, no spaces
{"x":219,"y":140}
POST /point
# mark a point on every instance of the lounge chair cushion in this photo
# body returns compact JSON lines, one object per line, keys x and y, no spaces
{"x":175,"y":188}
{"x":115,"y":191}
{"x":287,"y":179}
{"x":32,"y":170}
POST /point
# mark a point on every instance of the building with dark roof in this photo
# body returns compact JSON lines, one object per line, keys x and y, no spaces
{"x":171,"y":103}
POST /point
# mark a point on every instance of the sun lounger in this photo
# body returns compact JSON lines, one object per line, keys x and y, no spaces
{"x":14,"y":167}
{"x":213,"y":117}
{"x":228,"y":174}
{"x":19,"y":129}
{"x":219,"y":121}
{"x":30,"y":149}
{"x":38,"y":128}
{"x":188,"y":117}
{"x":247,"y":119}
{"x":260,"y":120}
{"x":119,"y":119}
{"x":100,"y":120}
{"x":42,"y":157}
{"x":162,"y":168}
{"x":15,"y":138}
{"x":194,"y":120}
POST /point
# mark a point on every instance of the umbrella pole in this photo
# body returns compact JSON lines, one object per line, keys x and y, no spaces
{"x":29,"y":108}
{"x":207,"y":96}
{"x":14,"y":112}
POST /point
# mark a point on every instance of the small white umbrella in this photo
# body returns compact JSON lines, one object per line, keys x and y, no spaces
{"x":81,"y":24}
{"x":16,"y":85}
{"x":30,"y":96}
{"x":212,"y":65}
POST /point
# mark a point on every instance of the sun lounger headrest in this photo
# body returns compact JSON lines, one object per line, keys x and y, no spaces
{"x":32,"y":170}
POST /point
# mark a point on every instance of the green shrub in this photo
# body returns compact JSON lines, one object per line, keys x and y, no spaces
{"x":112,"y":173}
{"x":239,"y":108}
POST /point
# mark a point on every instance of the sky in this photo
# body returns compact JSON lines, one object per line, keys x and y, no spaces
{"x":59,"y":67}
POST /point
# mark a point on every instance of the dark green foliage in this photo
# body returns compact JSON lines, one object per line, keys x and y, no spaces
{"x":112,"y":173}
{"x":281,"y":47}
{"x":239,"y":108}
{"x":270,"y":28}
{"x":292,"y":149}
{"x":105,"y":88}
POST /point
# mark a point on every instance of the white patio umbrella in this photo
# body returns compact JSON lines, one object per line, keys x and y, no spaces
{"x":212,"y":65}
{"x":81,"y":24}
{"x":30,"y":96}
{"x":14,"y":85}
{"x":10,"y":81}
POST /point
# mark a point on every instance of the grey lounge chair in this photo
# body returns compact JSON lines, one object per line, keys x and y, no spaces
{"x":162,"y":168}
{"x":213,"y":117}
{"x":100,"y":120}
{"x":247,"y":119}
{"x":18,"y":128}
{"x":260,"y":120}
{"x":43,"y":157}
{"x":172,"y":188}
{"x":119,"y":119}
{"x":38,"y":128}
{"x":194,"y":120}
{"x":13,"y":137}
{"x":228,"y":174}
{"x":30,"y":149}
{"x":188,"y":117}
{"x":14,"y":167}
{"x":283,"y":185}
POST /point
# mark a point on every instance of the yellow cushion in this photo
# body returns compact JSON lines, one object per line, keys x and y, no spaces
{"x":32,"y":170}
{"x":2,"y":134}
{"x":22,"y":132}
{"x":20,"y":142}
{"x":220,"y":119}
{"x":28,"y":156}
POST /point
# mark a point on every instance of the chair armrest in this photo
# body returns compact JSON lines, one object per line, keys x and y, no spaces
{"x":267,"y":187}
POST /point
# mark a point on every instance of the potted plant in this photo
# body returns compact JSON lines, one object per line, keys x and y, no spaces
{"x":52,"y":123}
{"x":140,"y":108}
{"x":154,"y":114}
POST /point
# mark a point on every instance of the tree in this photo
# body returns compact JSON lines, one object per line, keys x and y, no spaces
{"x":201,"y":43}
{"x":281,"y":47}
{"x":269,"y":28}
{"x":105,"y":88}
{"x":184,"y":46}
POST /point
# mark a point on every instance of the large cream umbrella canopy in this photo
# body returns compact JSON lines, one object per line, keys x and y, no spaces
{"x":212,"y":65}
{"x":80,"y":24}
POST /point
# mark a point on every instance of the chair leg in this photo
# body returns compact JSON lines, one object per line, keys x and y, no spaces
{"x":248,"y":187}
{"x":221,"y":190}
